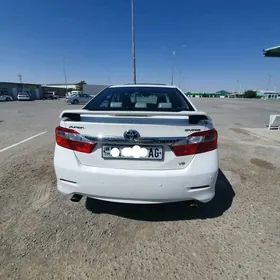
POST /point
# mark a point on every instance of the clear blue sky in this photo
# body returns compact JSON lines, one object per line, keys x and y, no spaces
{"x":224,"y":41}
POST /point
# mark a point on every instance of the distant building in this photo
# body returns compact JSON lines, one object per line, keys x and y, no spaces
{"x":37,"y":90}
{"x":223,"y":92}
{"x":13,"y":89}
{"x":60,"y":89}
{"x":218,"y":94}
{"x":272,"y":52}
{"x":64,"y":86}
{"x":268,"y":94}
{"x":93,"y":89}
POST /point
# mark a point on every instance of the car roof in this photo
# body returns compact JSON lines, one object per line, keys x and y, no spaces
{"x":143,"y":85}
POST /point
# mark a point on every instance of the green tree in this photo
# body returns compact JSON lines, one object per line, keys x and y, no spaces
{"x":250,"y":94}
{"x":80,"y":85}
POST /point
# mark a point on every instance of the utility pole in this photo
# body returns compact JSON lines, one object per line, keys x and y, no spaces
{"x":65,"y":78}
{"x":20,"y":80}
{"x":133,"y":42}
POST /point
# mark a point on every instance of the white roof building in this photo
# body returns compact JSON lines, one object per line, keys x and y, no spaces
{"x":69,"y":86}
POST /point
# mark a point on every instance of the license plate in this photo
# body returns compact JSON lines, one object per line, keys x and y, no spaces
{"x":130,"y":152}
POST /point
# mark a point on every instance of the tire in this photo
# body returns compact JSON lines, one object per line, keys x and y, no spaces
{"x":75,"y":101}
{"x":8,"y":99}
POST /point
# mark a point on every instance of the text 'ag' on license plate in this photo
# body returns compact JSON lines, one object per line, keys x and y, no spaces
{"x":132,"y":152}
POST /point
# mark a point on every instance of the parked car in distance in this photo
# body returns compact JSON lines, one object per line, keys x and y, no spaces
{"x":137,"y":144}
{"x":74,"y":92}
{"x":79,"y":98}
{"x":24,"y":96}
{"x":5,"y":97}
{"x":50,"y":95}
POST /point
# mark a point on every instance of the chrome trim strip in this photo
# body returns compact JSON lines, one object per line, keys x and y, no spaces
{"x":137,"y":120}
{"x":141,"y":140}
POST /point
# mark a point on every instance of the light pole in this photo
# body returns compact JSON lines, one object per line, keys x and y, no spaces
{"x":133,"y":42}
{"x":183,"y":83}
{"x":20,"y":80}
{"x":109,"y":78}
{"x":268,"y":82}
{"x":180,"y":83}
{"x":236,"y":87}
{"x":173,"y":63}
{"x":65,"y":78}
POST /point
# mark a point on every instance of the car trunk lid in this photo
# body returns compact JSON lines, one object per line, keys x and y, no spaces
{"x":156,"y":132}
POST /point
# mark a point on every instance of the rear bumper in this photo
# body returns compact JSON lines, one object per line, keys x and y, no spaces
{"x":137,"y":186}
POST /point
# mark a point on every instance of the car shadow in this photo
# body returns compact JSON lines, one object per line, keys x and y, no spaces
{"x":169,"y":211}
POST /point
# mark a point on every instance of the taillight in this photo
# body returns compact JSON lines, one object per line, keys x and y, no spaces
{"x":196,"y":143}
{"x":73,"y":140}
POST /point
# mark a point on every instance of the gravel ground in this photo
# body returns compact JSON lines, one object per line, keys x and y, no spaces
{"x":235,"y":236}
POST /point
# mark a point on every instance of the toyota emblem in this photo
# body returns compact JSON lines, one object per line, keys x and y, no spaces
{"x":131,"y":135}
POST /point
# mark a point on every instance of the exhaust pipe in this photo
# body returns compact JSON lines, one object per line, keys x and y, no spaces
{"x":76,"y":197}
{"x":194,"y":204}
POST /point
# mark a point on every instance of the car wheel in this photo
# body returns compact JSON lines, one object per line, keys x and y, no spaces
{"x":8,"y":99}
{"x":75,"y":101}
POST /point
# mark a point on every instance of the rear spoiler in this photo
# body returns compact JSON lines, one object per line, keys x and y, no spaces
{"x":75,"y":115}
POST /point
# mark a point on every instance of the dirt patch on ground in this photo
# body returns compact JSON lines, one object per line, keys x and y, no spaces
{"x":262,"y":163}
{"x":243,"y":178}
{"x":240,"y":131}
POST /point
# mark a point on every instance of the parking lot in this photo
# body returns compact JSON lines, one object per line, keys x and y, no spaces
{"x":235,"y":236}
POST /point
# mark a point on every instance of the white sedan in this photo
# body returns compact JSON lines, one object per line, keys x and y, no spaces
{"x":137,"y":144}
{"x":5,"y":97}
{"x":78,"y":98}
{"x":23,"y":96}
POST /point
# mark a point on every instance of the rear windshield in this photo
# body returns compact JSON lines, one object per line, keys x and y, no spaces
{"x":139,"y":99}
